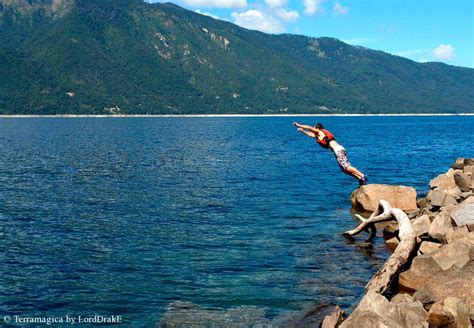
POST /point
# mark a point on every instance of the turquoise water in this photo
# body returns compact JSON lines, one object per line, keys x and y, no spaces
{"x":125,"y":216}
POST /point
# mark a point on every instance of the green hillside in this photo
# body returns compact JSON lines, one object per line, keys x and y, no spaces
{"x":130,"y":57}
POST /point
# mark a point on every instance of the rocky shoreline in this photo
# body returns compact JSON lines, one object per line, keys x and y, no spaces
{"x":435,"y":286}
{"x":432,"y":283}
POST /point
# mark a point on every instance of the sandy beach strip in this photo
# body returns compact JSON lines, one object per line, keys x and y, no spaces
{"x":225,"y":115}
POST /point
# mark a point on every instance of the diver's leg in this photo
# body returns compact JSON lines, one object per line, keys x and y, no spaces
{"x":354,"y":172}
{"x":347,"y":167}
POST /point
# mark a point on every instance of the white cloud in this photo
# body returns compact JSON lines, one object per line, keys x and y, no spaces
{"x":256,"y":20}
{"x":217,"y":3}
{"x":275,"y":3}
{"x":207,"y":14}
{"x":339,"y":10}
{"x":444,"y":52}
{"x":313,"y":6}
{"x":287,"y":15}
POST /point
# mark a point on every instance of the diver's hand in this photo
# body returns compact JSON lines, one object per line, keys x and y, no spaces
{"x":300,"y":130}
{"x":296,"y":124}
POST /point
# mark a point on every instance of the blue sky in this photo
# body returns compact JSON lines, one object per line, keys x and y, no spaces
{"x":422,"y":30}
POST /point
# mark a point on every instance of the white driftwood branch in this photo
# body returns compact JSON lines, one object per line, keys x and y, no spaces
{"x":381,"y":280}
{"x":382,"y":213}
{"x":360,"y":217}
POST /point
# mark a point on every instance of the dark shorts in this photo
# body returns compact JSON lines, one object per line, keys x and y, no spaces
{"x":342,"y":159}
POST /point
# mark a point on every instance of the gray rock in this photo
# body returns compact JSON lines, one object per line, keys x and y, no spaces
{"x":422,"y":225}
{"x":455,"y":254}
{"x":444,"y":198}
{"x":440,"y":226}
{"x":409,"y":313}
{"x":457,"y":233}
{"x":425,"y":296}
{"x":426,"y":272}
{"x":450,"y":200}
{"x":437,"y":198}
{"x":464,"y":215}
{"x":401,"y":298}
{"x":463,"y":181}
{"x":455,"y":192}
{"x":376,"y":311}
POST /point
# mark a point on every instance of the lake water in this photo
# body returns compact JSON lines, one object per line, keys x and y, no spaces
{"x":126,"y":216}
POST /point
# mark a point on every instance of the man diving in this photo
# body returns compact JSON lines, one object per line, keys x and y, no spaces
{"x":326,"y":140}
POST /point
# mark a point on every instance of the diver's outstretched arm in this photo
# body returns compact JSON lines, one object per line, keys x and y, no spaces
{"x":308,"y":133}
{"x":306,"y":127}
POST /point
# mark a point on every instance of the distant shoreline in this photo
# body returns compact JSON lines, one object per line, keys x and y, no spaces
{"x":220,"y":115}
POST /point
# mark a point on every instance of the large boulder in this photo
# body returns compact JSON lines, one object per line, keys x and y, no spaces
{"x":458,"y":233}
{"x":450,"y":313}
{"x":422,"y":225}
{"x":376,"y":311}
{"x":440,"y":226}
{"x":442,"y":198}
{"x":366,"y":198}
{"x":464,"y":215}
{"x":443,"y":181}
{"x":447,"y":271}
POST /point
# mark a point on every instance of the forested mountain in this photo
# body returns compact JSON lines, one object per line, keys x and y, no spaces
{"x":131,"y":57}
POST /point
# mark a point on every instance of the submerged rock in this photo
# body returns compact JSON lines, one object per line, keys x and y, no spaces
{"x":187,"y":314}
